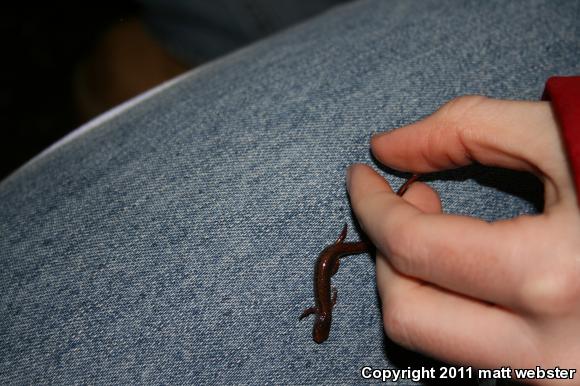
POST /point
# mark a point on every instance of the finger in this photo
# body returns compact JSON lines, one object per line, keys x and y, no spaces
{"x":451,"y":327}
{"x":454,"y":252}
{"x":514,"y":134}
{"x":423,"y":197}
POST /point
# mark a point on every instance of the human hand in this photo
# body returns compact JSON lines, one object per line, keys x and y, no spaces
{"x":461,"y":289}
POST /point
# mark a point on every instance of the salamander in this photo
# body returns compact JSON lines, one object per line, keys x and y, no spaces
{"x":327,"y":265}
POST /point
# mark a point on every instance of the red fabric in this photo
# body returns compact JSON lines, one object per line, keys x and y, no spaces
{"x":564,"y":93}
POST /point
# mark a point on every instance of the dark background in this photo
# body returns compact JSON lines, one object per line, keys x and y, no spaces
{"x":67,"y":62}
{"x":43,"y":45}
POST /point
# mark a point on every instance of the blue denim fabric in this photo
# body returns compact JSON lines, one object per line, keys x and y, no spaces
{"x":175,"y":243}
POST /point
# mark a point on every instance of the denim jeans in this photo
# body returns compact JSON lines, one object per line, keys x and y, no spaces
{"x":174,"y":242}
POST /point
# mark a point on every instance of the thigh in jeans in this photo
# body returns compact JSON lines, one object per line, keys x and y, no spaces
{"x":174,"y":242}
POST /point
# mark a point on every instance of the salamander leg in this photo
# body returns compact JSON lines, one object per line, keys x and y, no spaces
{"x":334,"y":296}
{"x":307,"y":312}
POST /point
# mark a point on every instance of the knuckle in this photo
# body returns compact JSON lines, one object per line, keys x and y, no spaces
{"x":461,"y":108}
{"x":458,"y":114}
{"x":552,"y":292}
{"x":456,"y":119}
{"x":397,"y":322}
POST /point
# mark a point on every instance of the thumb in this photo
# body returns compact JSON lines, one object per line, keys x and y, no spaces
{"x":512,"y":134}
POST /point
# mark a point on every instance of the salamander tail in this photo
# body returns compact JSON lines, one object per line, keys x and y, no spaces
{"x":342,"y":235}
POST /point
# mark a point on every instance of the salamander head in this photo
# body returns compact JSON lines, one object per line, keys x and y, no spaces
{"x":321,"y":328}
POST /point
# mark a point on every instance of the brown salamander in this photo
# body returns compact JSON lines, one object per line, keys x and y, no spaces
{"x":327,"y":265}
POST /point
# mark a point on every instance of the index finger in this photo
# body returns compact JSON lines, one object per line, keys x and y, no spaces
{"x":453,"y":252}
